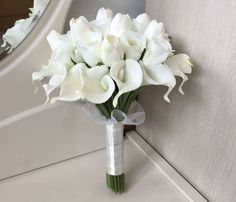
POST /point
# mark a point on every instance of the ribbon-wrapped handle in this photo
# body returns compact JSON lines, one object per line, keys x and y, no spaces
{"x":114,"y":147}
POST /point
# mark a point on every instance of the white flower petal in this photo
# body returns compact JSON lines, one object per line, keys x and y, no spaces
{"x":98,"y":86}
{"x":55,"y":40}
{"x":156,"y":52}
{"x":155,"y":30}
{"x":103,"y":21}
{"x":158,"y":75}
{"x":111,"y":50}
{"x":78,"y":27}
{"x":71,"y":87}
{"x":57,"y":71}
{"x":91,"y":49}
{"x":128,"y":76}
{"x":62,"y":48}
{"x":104,"y":14}
{"x":180,"y":65}
{"x":133,"y":44}
{"x":120,"y":24}
{"x":141,"y":22}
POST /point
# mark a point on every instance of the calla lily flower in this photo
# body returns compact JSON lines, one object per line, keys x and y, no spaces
{"x":71,"y":87}
{"x":62,"y":48}
{"x":141,"y":22}
{"x":59,"y":63}
{"x":133,"y":44}
{"x":157,"y":52}
{"x":90,"y":48}
{"x":111,"y":50}
{"x":128,"y":76}
{"x":103,"y":20}
{"x":180,"y":65}
{"x":88,"y":42}
{"x":155,"y":30}
{"x":120,"y":24}
{"x":78,"y":27}
{"x":104,"y":14}
{"x":58,"y":41}
{"x":56,"y":71}
{"x":93,"y":84}
{"x":98,"y":86}
{"x":158,"y":75}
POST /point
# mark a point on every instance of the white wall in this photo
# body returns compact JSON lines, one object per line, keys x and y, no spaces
{"x":196,"y":133}
{"x":88,"y":8}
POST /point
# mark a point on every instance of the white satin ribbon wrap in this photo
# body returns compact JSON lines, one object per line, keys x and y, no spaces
{"x":114,"y":132}
{"x":114,"y":148}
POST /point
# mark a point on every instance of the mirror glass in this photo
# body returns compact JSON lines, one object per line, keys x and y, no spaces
{"x":17,"y":19}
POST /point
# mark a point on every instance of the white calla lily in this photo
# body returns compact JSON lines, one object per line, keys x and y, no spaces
{"x":56,"y":40}
{"x":111,"y":50}
{"x":71,"y":87}
{"x":78,"y":27}
{"x":103,"y":20}
{"x":93,"y":84}
{"x":157,"y":52}
{"x":180,"y":65}
{"x":141,"y":22}
{"x":90,"y":48}
{"x":158,"y":75}
{"x":104,"y":14}
{"x":56,"y":71}
{"x":120,"y":24}
{"x":98,"y":86}
{"x":62,"y":48}
{"x":128,"y":76}
{"x":155,"y":30}
{"x":133,"y":44}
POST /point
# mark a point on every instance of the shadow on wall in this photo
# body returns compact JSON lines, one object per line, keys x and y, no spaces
{"x":88,"y":8}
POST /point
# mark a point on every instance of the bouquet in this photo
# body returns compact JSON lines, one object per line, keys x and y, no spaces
{"x":106,"y":63}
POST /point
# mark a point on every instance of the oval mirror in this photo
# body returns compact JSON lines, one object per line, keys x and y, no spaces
{"x":17,"y":19}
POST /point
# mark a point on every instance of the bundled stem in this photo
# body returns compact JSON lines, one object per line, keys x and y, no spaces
{"x":117,"y":182}
{"x":124,"y":103}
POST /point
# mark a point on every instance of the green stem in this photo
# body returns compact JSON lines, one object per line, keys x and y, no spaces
{"x":102,"y":108}
{"x":116,"y":182}
{"x":131,"y":98}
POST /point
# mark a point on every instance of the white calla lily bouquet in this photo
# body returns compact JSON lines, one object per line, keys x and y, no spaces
{"x":107,"y":62}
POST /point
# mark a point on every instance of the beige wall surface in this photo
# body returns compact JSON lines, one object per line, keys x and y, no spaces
{"x":196,"y":133}
{"x":89,"y":8}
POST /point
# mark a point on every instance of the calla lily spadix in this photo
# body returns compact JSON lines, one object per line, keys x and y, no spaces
{"x":106,"y":63}
{"x":127,"y":75}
